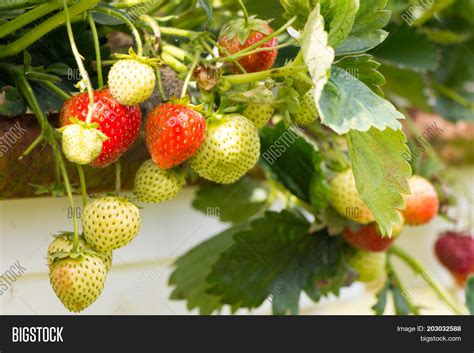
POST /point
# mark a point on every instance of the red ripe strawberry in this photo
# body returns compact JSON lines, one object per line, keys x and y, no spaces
{"x":238,"y":35}
{"x":422,"y":204}
{"x":456,"y":252}
{"x":368,"y":237}
{"x":121,"y":124}
{"x":174,"y":133}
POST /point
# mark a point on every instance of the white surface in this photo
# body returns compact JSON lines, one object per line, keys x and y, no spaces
{"x":137,"y":283}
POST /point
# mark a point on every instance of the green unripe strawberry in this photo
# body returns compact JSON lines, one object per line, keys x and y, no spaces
{"x":345,"y":199}
{"x":78,"y":282}
{"x":260,"y":113}
{"x":82,"y":143}
{"x":154,"y":185}
{"x":231,"y":149}
{"x":307,"y":111}
{"x":131,"y":82}
{"x":371,"y":266}
{"x":63,"y":243}
{"x":110,"y":223}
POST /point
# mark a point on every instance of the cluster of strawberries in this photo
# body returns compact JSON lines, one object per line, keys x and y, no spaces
{"x":221,"y":149}
{"x":454,"y":250}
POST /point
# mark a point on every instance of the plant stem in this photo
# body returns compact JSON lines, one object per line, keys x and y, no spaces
{"x":28,"y":17}
{"x":258,"y":76}
{"x":118,"y":179}
{"x":266,"y":39}
{"x":45,"y":27}
{"x":396,"y":282}
{"x":178,"y":53}
{"x":246,"y":14}
{"x":242,"y":53}
{"x":424,"y":273}
{"x":153,"y":25}
{"x":82,"y":181}
{"x":196,"y":59}
{"x":98,"y":60}
{"x":64,"y":95}
{"x":177,"y":32}
{"x":453,"y":95}
{"x":31,"y":147}
{"x":19,"y":4}
{"x":174,"y":63}
{"x":160,"y":84}
{"x":48,"y":133}
{"x":117,"y":14}
{"x":80,"y":64}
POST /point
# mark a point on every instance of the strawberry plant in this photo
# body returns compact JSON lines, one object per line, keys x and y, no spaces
{"x":291,"y":116}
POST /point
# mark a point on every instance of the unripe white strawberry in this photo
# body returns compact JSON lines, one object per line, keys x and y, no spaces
{"x":231,"y":149}
{"x":131,"y":82}
{"x":110,"y":223}
{"x":369,"y":265}
{"x":260,"y":113}
{"x":63,"y":243}
{"x":78,"y":282}
{"x":307,"y":111}
{"x":154,"y":185}
{"x":345,"y":199}
{"x":82,"y":143}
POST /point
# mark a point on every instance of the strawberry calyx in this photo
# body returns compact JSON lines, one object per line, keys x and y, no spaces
{"x":84,"y":125}
{"x":241,"y":28}
{"x":186,"y":101}
{"x":153,"y":62}
{"x":61,"y":255}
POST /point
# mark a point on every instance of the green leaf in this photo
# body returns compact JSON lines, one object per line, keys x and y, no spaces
{"x":235,"y":202}
{"x":348,"y":104}
{"x":58,"y":69}
{"x":402,"y":307}
{"x":26,"y":60}
{"x":470,"y":294}
{"x":430,"y":9}
{"x":406,"y":48}
{"x":290,"y":159}
{"x":365,"y":69}
{"x":297,"y":8}
{"x":340,"y":16}
{"x":379,"y":306}
{"x":455,"y":97}
{"x":277,"y":257}
{"x":317,"y":54}
{"x":381,"y":172}
{"x":189,"y":277}
{"x":367,"y":31}
{"x":13,"y":104}
{"x":414,"y":94}
{"x":207,"y":7}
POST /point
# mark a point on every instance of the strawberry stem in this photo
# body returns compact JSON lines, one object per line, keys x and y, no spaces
{"x":42,"y":29}
{"x":243,"y":53}
{"x":31,"y":147}
{"x":194,"y":64}
{"x":82,"y":181}
{"x":80,"y":64}
{"x":258,"y":76}
{"x":249,"y":49}
{"x":419,"y":269}
{"x":28,"y":17}
{"x":98,"y":60}
{"x":246,"y":14}
{"x":118,"y":180}
{"x":61,"y":93}
{"x":48,"y":133}
{"x":117,"y":14}
{"x":174,"y":63}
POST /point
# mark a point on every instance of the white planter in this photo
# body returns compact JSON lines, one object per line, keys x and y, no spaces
{"x":137,"y":283}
